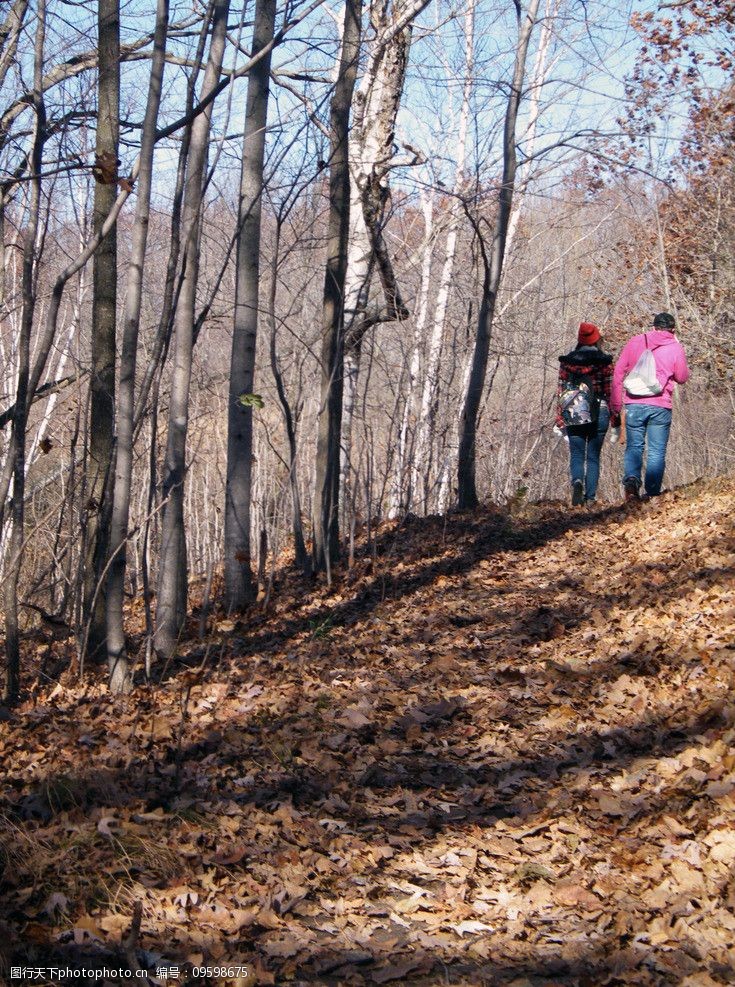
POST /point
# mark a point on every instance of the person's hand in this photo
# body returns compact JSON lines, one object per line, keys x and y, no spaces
{"x":561,"y":433}
{"x":614,"y":435}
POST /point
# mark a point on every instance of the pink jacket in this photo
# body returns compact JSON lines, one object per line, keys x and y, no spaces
{"x":671,"y":367}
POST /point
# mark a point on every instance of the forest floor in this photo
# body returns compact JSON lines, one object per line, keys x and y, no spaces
{"x":500,"y":750}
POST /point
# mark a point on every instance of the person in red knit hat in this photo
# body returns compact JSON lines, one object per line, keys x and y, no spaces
{"x":583,"y":410}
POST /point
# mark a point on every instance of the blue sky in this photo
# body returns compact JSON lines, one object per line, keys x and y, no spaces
{"x":594,"y":48}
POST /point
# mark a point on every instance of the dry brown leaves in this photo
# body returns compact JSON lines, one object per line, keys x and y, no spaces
{"x":501,"y":751}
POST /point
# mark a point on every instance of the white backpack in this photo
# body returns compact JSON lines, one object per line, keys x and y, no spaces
{"x":642,"y":381}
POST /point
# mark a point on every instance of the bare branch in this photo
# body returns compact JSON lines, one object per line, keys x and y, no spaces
{"x":49,"y":388}
{"x":239,"y":73}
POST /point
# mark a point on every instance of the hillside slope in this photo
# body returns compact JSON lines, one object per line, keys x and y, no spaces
{"x":502,"y":750}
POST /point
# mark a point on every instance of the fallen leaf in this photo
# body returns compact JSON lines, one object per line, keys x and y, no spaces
{"x":354,"y":718}
{"x":234,"y":856}
{"x":109,"y":826}
{"x":396,"y":971}
{"x":283,"y":947}
{"x":575,"y":896}
{"x":85,"y":924}
{"x":471,"y":927}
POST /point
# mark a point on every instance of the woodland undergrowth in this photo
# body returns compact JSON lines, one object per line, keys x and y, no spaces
{"x":500,"y":749}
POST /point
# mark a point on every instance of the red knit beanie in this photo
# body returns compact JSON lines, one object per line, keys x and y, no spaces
{"x":589,"y":334}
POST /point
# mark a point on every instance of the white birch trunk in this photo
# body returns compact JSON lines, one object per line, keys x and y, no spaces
{"x":370,"y":152}
{"x":402,"y":491}
{"x":422,"y":459}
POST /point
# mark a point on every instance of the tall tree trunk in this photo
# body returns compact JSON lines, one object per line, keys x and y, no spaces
{"x":370,"y":153}
{"x":424,"y":448}
{"x":303,"y":560}
{"x":239,"y":587}
{"x":172,"y":577}
{"x":17,"y":444}
{"x":402,"y":490}
{"x":2,"y":255}
{"x":493,"y":270}
{"x":116,"y":656}
{"x":165,"y":323}
{"x":104,"y":312}
{"x":326,"y":499}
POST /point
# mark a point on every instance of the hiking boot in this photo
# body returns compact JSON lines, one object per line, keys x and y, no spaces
{"x":631,"y":487}
{"x":577,"y":493}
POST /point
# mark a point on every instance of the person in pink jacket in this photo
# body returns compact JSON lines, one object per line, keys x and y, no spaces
{"x":648,"y":417}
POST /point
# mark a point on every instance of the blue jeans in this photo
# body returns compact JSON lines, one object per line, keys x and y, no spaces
{"x":646,"y":421}
{"x":585,"y":443}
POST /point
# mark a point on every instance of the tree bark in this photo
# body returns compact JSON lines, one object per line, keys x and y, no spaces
{"x":17,"y":444}
{"x":104,"y":318}
{"x":370,"y":153}
{"x":119,"y":672}
{"x":424,"y":448}
{"x":239,"y":588}
{"x":165,"y":322}
{"x":326,"y":499}
{"x":172,"y":578}
{"x":538,"y":80}
{"x":9,"y":34}
{"x":493,"y":270}
{"x":402,"y":491}
{"x":301,"y":556}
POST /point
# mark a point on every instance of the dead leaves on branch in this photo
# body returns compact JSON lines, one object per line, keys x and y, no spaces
{"x":104,"y":171}
{"x":511,"y":760}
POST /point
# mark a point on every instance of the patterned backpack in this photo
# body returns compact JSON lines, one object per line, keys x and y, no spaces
{"x":578,"y":401}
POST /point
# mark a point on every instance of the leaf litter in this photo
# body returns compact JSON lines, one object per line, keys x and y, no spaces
{"x":508,"y":756}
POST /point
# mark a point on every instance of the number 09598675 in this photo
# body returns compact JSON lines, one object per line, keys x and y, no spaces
{"x":221,"y":971}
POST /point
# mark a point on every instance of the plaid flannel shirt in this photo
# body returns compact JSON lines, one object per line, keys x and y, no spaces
{"x":601,"y":376}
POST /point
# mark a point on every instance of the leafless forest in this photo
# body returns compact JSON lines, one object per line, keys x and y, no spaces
{"x":273,"y":273}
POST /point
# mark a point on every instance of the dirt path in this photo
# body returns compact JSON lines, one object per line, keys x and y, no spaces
{"x":502,"y":751}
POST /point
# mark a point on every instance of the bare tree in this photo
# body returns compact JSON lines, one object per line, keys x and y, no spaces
{"x":17,"y":445}
{"x":326,"y":506}
{"x":523,"y":179}
{"x":405,"y":472}
{"x":238,"y":492}
{"x":372,"y":155}
{"x":423,"y":452}
{"x":117,"y":658}
{"x":104,"y":320}
{"x":172,"y":578}
{"x":493,"y":268}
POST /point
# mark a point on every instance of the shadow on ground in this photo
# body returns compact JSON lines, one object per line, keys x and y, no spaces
{"x":422,"y":756}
